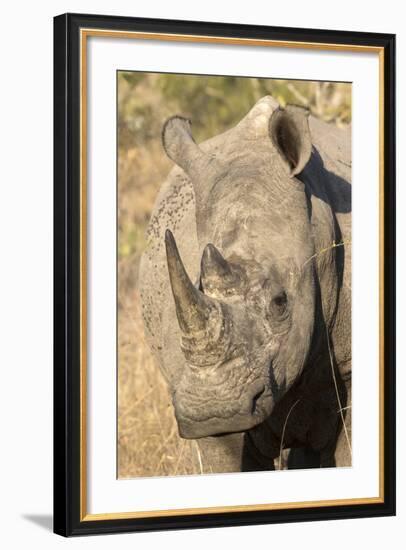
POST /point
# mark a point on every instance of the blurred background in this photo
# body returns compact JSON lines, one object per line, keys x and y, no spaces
{"x":148,"y":442}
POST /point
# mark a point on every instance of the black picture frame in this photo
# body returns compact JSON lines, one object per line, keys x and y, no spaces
{"x":67,"y":325}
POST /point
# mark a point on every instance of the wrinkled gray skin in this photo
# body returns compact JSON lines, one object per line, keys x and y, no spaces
{"x":246,"y":303}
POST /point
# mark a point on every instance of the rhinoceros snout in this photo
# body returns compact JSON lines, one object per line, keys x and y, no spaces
{"x":226,"y":414}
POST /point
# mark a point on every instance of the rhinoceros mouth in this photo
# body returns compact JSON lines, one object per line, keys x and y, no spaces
{"x":256,"y":400}
{"x":217,"y":426}
{"x":254,"y":412}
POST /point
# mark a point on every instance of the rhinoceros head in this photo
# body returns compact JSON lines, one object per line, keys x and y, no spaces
{"x":247,"y":324}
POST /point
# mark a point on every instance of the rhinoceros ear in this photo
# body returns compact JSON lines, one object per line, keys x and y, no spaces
{"x":180,"y":146}
{"x":289,"y":131}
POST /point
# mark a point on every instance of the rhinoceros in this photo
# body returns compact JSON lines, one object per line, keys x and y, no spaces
{"x":246,"y":289}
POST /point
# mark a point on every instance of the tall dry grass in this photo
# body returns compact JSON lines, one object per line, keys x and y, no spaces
{"x":148,"y":441}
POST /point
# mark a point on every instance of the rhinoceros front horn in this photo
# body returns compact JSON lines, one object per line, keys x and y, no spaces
{"x":193,"y":308}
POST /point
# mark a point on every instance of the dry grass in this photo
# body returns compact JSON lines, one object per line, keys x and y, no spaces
{"x":148,"y":441}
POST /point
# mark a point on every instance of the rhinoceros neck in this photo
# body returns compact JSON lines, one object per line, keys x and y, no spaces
{"x":330,"y":206}
{"x":327,"y":239}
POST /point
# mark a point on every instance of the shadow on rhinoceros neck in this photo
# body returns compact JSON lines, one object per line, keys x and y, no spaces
{"x":333,"y":189}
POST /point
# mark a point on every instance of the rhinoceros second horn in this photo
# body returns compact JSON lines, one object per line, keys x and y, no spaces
{"x":215,"y":271}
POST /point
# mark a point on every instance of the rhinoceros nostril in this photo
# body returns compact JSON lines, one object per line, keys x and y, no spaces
{"x":255,"y":400}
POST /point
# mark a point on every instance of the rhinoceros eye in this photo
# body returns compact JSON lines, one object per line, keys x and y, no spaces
{"x":279,"y":304}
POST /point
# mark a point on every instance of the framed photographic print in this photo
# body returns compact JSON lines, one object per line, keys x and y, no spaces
{"x":224,"y":254}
